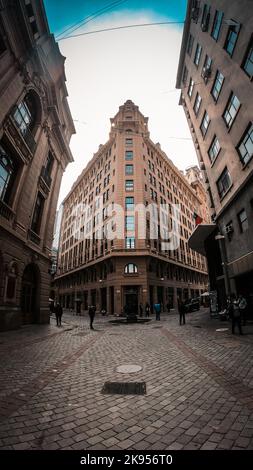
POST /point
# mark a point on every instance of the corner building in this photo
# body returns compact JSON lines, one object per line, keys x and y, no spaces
{"x":35,"y":129}
{"x":215,"y":75}
{"x":129,"y":170}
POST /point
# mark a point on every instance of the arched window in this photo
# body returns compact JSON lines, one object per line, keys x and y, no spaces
{"x":26,"y":113}
{"x":131,"y":268}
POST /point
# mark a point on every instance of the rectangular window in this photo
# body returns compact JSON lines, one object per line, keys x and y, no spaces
{"x":130,"y":243}
{"x":245,"y":146}
{"x":185,"y":75}
{"x":204,"y":124}
{"x":243,"y":220}
{"x":129,"y":203}
{"x":214,"y":149}
{"x":190,"y":44}
{"x":190,"y":88}
{"x":231,"y":110}
{"x":224,"y":182}
{"x":217,"y":25}
{"x":129,"y":155}
{"x":129,"y":169}
{"x":129,"y":185}
{"x":247,"y":64}
{"x":207,"y":68}
{"x":37,"y":213}
{"x":219,"y":79}
{"x":129,"y":141}
{"x":231,"y":39}
{"x":197,"y":104}
{"x":205,"y":18}
{"x":197,"y":54}
{"x":129,"y":223}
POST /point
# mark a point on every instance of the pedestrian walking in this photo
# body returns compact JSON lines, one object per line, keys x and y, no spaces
{"x":168,"y":307}
{"x":147,"y":309}
{"x":141,"y":309}
{"x":234,"y":314}
{"x":58,"y":313}
{"x":157,"y":308}
{"x":181,"y":311}
{"x":243,"y":308}
{"x":91,"y":312}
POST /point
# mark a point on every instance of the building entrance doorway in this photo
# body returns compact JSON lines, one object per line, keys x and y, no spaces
{"x":131,"y":299}
{"x":29,"y":295}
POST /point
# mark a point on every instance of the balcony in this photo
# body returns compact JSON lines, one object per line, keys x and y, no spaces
{"x":6,"y":211}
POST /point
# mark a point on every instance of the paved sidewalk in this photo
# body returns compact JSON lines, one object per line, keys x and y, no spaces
{"x":199,"y":385}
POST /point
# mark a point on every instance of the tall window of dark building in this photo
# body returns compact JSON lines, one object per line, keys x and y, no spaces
{"x":207,"y":68}
{"x":197,"y":55}
{"x":231,"y":110}
{"x":231,"y":39}
{"x":185,"y":75}
{"x":26,"y":114}
{"x":49,"y":163}
{"x":224,"y":182}
{"x":197,"y":104}
{"x":205,"y":18}
{"x":37,"y":213}
{"x":129,"y":169}
{"x":129,"y":223}
{"x":190,"y":88}
{"x":129,"y":243}
{"x":217,"y":25}
{"x":190,"y":44}
{"x":32,"y":19}
{"x":214,"y":149}
{"x":247,"y":64}
{"x":129,"y":203}
{"x":243,"y":220}
{"x":129,"y":155}
{"x":129,"y":141}
{"x":8,"y":172}
{"x":217,"y":86}
{"x":129,"y":185}
{"x":204,"y":124}
{"x":245,"y":146}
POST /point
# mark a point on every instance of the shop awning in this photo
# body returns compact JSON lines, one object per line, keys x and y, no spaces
{"x":198,"y":237}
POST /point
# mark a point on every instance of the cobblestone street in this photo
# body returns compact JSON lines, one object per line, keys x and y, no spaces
{"x":199,"y":385}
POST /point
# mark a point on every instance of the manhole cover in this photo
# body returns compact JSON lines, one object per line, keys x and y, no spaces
{"x":125,"y":388}
{"x":222,"y":329}
{"x":128,"y":369}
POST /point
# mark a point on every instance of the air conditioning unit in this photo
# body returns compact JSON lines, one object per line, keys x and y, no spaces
{"x":206,"y":73}
{"x":229,"y":229}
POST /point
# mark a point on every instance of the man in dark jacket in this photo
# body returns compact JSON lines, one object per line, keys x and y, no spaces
{"x":91,"y":312}
{"x":234,"y":313}
{"x":58,"y":313}
{"x":181,"y":311}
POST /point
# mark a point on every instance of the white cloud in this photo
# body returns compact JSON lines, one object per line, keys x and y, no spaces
{"x":105,"y":69}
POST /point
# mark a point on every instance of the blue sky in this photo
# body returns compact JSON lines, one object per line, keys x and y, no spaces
{"x":62,"y":13}
{"x":104,"y":70}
